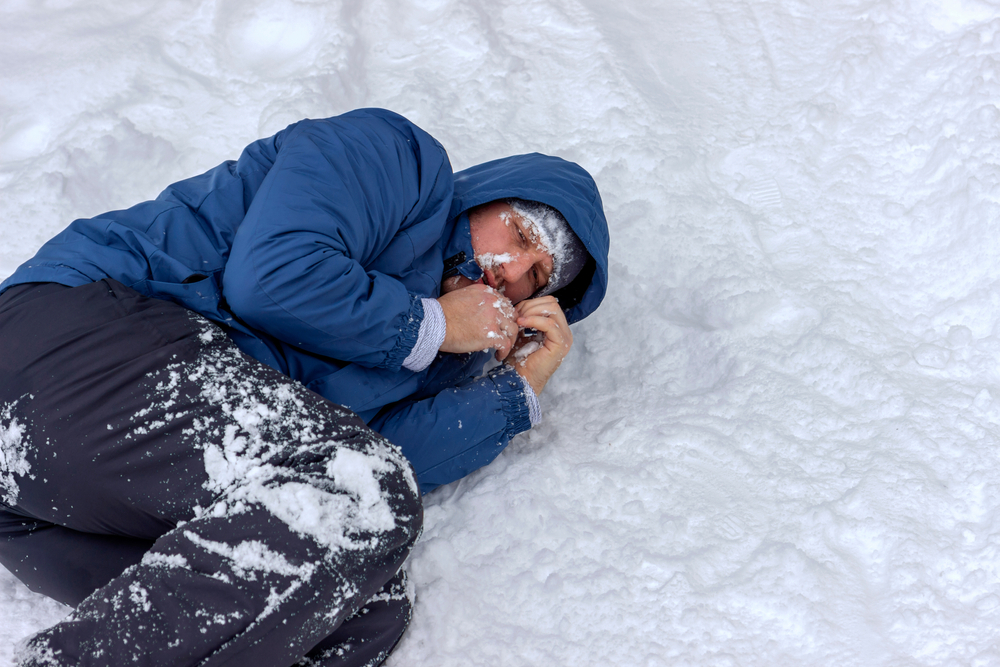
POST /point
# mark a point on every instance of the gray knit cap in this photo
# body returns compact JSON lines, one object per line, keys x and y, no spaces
{"x":556,"y":236}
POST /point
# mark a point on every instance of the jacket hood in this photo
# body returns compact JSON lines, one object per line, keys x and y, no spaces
{"x":563,"y":185}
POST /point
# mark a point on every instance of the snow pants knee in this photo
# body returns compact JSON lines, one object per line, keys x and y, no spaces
{"x":196,"y":506}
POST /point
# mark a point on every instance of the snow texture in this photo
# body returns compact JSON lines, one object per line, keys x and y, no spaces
{"x":245,"y":446}
{"x":13,"y":454}
{"x":776,"y":443}
{"x":249,"y":558}
{"x":491,"y":260}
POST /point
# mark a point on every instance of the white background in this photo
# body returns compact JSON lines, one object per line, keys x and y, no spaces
{"x":776,"y":441}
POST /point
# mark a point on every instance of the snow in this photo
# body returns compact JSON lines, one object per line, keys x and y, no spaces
{"x":13,"y":454}
{"x":526,"y":350}
{"x":548,"y":231}
{"x":776,"y":442}
{"x":245,"y":450}
{"x":491,"y":260}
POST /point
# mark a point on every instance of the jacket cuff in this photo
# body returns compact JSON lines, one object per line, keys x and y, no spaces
{"x":513,"y":399}
{"x":408,"y":334}
{"x":430,"y":338}
{"x":531,"y":398}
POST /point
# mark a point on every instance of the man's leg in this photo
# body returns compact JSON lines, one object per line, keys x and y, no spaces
{"x":67,"y":566}
{"x":366,"y":638}
{"x":275,"y":513}
{"x":61,"y":563}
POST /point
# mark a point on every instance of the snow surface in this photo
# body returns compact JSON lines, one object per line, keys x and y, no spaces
{"x":776,"y":442}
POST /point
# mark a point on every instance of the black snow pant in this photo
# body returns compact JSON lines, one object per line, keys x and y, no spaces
{"x":195,"y":506}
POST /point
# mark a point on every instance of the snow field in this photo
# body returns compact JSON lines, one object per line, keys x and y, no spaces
{"x":776,"y":442}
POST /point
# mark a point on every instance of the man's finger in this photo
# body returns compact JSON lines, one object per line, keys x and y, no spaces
{"x":546,"y":325}
{"x":506,"y":336}
{"x":543,"y":310}
{"x":530,"y":304}
{"x":503,"y":348}
{"x":535,"y":305}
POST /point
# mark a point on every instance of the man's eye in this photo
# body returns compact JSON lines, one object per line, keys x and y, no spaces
{"x":521,"y":234}
{"x":534,"y":274}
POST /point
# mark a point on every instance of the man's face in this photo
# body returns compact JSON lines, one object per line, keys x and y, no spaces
{"x":513,"y":260}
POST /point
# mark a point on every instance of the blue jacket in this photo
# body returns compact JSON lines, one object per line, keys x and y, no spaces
{"x":314,"y":249}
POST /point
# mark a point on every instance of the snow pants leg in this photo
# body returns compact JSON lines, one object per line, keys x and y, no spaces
{"x":199,"y":507}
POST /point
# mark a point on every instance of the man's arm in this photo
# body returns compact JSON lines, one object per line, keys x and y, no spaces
{"x":464,"y":428}
{"x":341,"y":192}
{"x":460,"y":429}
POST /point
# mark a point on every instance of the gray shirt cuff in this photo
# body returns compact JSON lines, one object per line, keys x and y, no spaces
{"x":430,"y":338}
{"x":534,"y":407}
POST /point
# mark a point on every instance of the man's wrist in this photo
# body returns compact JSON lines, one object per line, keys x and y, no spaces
{"x":531,"y":398}
{"x":432,"y":332}
{"x":513,"y":399}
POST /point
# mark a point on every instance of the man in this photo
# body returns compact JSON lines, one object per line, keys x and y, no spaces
{"x":176,"y":463}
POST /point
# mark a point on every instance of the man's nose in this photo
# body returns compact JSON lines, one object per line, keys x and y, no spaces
{"x":518,"y":265}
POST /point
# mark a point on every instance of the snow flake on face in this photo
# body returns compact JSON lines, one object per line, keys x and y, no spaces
{"x":491,"y":260}
{"x":535,"y":233}
{"x":549,"y":231}
{"x":13,"y":454}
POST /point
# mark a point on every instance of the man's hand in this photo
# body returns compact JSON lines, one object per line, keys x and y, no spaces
{"x":478,"y":318}
{"x":551,"y":343}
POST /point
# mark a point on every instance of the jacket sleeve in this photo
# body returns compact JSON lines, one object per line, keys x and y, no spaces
{"x":458,"y":430}
{"x":341,"y":190}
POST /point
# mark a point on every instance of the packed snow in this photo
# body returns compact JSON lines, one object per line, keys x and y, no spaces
{"x":776,"y":443}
